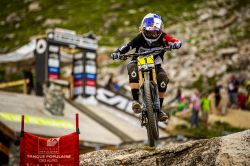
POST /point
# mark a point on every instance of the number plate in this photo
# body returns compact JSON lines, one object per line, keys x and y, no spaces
{"x":145,"y":60}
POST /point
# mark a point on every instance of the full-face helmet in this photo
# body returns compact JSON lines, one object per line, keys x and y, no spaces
{"x":151,"y":27}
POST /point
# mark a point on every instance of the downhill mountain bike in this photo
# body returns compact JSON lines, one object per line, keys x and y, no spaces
{"x":149,"y":95}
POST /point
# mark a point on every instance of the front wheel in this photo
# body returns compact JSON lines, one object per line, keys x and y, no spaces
{"x":152,"y":126}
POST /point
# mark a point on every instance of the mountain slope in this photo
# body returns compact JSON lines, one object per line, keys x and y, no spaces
{"x":111,"y":21}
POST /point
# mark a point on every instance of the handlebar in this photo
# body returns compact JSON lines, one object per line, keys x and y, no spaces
{"x":152,"y":52}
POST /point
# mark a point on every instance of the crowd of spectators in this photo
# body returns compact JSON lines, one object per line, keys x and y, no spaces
{"x":234,"y":95}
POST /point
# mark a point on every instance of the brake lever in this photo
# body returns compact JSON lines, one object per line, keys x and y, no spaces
{"x":167,"y":49}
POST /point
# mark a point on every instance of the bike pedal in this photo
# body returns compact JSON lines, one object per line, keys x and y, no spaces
{"x":143,"y":124}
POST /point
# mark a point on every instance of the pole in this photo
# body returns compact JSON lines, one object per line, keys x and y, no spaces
{"x":22,"y":127}
{"x":77,"y":124}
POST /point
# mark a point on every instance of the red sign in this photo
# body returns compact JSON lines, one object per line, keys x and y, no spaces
{"x":78,"y":82}
{"x":90,"y":83}
{"x":39,"y":151}
{"x":53,"y":76}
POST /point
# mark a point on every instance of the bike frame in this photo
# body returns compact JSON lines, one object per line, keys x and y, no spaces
{"x":149,"y":95}
{"x":146,"y":70}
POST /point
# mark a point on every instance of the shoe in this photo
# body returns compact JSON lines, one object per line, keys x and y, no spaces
{"x":136,"y":107}
{"x":162,"y":116}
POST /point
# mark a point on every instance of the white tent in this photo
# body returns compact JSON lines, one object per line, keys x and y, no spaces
{"x":27,"y":52}
{"x":23,"y":53}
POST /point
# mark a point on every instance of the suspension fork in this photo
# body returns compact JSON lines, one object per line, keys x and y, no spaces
{"x":154,"y":76}
{"x":140,"y":78}
{"x":156,"y":99}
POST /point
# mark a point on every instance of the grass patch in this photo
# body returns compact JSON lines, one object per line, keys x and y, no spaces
{"x":16,"y":89}
{"x":115,"y":64}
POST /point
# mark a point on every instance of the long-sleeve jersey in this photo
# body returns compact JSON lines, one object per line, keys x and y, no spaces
{"x":143,"y":45}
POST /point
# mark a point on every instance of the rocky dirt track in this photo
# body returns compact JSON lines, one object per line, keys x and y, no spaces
{"x":233,"y":149}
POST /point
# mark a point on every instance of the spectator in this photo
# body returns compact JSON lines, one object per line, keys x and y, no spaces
{"x":195,"y":101}
{"x":242,"y":98}
{"x":205,"y":108}
{"x":232,"y":88}
{"x":217,"y":97}
{"x":182,"y":104}
{"x":27,"y":74}
{"x":248,"y":95}
{"x":112,"y":84}
{"x":177,"y":97}
{"x":116,"y":86}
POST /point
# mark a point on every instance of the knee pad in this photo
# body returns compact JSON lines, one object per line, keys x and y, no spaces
{"x":133,"y":72}
{"x":162,"y":81}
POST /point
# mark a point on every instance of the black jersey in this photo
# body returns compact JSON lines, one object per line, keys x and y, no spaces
{"x":142,"y":45}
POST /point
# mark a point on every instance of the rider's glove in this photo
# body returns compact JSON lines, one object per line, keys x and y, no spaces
{"x":117,"y":55}
{"x":176,"y":45}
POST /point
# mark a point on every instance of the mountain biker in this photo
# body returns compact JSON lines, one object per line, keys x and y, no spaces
{"x":150,"y":37}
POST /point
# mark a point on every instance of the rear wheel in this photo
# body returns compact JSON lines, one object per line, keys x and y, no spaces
{"x":152,"y":126}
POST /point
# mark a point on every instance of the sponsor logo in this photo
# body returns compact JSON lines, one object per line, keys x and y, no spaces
{"x":52,"y":141}
{"x":163,"y":84}
{"x":48,"y":146}
{"x":72,"y":39}
{"x":41,"y":46}
{"x":114,"y":100}
{"x":133,"y":74}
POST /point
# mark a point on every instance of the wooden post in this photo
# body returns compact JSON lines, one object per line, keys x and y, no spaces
{"x":22,"y":126}
{"x":71,"y":86}
{"x":25,"y":85}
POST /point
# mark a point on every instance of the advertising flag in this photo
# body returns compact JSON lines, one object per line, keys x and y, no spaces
{"x":63,"y":151}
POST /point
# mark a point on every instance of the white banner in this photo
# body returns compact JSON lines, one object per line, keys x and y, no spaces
{"x":53,"y":48}
{"x":78,"y":69}
{"x":112,"y":99}
{"x":118,"y":101}
{"x":78,"y":90}
{"x":90,"y":69}
{"x":54,"y":55}
{"x":54,"y":63}
{"x":90,"y":90}
{"x":90,"y":63}
{"x":90,"y":55}
{"x":79,"y":55}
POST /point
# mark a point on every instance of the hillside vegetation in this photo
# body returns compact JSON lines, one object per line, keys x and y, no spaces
{"x":112,"y":20}
{"x":215,"y":33}
{"x":216,"y":44}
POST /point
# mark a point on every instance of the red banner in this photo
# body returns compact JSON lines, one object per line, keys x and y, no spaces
{"x":39,"y":151}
